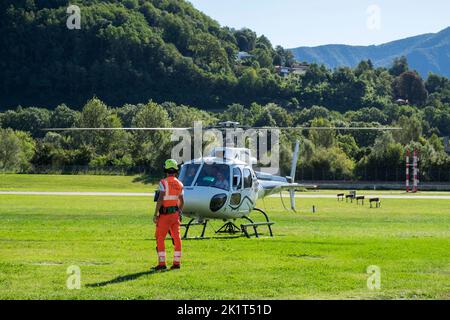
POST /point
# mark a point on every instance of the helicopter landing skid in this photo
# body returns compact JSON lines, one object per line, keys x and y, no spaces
{"x":193,"y":222}
{"x":255,"y":226}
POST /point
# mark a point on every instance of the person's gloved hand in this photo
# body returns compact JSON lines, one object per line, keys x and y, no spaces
{"x":155,"y":219}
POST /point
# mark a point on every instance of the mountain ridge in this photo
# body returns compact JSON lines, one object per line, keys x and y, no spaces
{"x":429,"y":52}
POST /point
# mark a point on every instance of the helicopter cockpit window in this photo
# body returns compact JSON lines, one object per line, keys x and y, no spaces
{"x":237,"y":179}
{"x":214,"y":175}
{"x":187,"y":174}
{"x":248,"y":180}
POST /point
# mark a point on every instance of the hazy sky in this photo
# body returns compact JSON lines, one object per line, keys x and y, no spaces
{"x":293,"y":23}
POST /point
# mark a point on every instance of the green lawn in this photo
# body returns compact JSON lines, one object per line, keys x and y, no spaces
{"x":95,"y":183}
{"x":74,"y":183}
{"x":322,"y":255}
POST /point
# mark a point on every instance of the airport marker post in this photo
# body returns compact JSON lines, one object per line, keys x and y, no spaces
{"x":407,"y":171}
{"x":415,"y":172}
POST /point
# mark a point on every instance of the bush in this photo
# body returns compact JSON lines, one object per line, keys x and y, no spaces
{"x":16,"y":150}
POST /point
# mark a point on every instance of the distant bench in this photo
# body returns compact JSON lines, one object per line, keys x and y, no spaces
{"x":377,"y":202}
{"x":340,"y":196}
{"x":349,"y":196}
{"x":360,"y":198}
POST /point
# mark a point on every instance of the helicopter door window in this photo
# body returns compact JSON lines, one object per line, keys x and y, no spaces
{"x":188,"y":173}
{"x":214,"y":175}
{"x":237,"y":179}
{"x":248,"y":179}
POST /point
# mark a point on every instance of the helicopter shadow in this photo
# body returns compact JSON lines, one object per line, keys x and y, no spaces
{"x":213,"y":238}
{"x":125,"y":278}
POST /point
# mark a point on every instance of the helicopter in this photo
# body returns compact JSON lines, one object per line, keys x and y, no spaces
{"x":225,"y":185}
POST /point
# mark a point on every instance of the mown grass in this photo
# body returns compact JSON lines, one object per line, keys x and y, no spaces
{"x":323,"y":255}
{"x":96,"y":183}
{"x":75,"y":183}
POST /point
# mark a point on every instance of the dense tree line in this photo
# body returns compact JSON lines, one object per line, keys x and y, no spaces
{"x":325,"y":154}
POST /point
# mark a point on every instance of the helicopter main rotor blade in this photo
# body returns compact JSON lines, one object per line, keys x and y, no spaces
{"x":115,"y":129}
{"x":331,"y":128}
{"x":254,"y":128}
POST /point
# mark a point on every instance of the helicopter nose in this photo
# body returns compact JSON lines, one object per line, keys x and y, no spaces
{"x":217,"y":202}
{"x":203,"y":200}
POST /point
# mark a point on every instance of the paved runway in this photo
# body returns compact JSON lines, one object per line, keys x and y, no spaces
{"x":127,"y":194}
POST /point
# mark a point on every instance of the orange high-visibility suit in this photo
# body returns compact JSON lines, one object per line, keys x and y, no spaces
{"x":169,"y":219}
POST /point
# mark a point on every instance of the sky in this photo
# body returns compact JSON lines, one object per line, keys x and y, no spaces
{"x":294,"y":23}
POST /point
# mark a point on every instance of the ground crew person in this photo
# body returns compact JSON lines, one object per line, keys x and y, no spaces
{"x":167,"y":215}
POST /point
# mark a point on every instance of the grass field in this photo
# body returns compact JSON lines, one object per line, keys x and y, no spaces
{"x":69,"y":183}
{"x":323,"y":255}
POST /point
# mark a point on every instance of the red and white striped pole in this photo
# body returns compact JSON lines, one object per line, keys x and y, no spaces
{"x":407,"y":170}
{"x":416,"y":178}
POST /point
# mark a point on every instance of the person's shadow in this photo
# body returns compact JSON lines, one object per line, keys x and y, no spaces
{"x":128,"y":277}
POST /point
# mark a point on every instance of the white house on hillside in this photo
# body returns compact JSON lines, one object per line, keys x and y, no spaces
{"x":242,"y":55}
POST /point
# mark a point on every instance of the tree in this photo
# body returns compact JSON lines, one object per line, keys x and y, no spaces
{"x":409,"y":86}
{"x":347,"y":91}
{"x":437,"y":143}
{"x":363,"y":67}
{"x":263,"y":57}
{"x":96,"y":114}
{"x":435,"y":83}
{"x":264,"y":43}
{"x":347,"y":143}
{"x":385,"y":154}
{"x":399,"y":66}
{"x":328,"y":164}
{"x":151,"y":148}
{"x":31,"y":120}
{"x":127,"y":113}
{"x":16,"y":150}
{"x":411,"y":130}
{"x":322,"y":138}
{"x":246,"y":39}
{"x":283,"y":57}
{"x":280,"y":115}
{"x":315,"y":75}
{"x":235,"y":112}
{"x":369,"y":115}
{"x":64,"y":117}
{"x":265,"y":119}
{"x":184,"y":116}
{"x":306,"y":114}
{"x":249,"y":81}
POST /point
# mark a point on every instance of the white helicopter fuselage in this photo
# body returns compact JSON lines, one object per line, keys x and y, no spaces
{"x":205,"y":197}
{"x":234,"y":199}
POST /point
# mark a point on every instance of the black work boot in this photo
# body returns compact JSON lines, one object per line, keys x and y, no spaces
{"x":160,"y":268}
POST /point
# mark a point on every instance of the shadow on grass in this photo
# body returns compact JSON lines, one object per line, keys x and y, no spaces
{"x":126,"y":278}
{"x":213,"y":238}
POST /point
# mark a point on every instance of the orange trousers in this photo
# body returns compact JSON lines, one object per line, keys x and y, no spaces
{"x":166,"y":223}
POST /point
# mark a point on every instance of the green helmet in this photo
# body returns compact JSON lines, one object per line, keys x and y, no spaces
{"x":171,"y":164}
